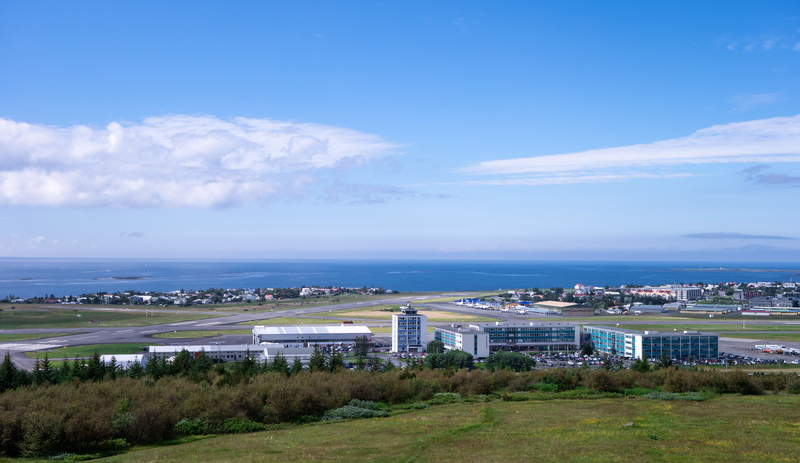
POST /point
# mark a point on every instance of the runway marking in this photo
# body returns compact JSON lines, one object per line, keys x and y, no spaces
{"x":207,"y":324}
{"x":182,"y":323}
{"x":124,"y":331}
{"x":25,"y":347}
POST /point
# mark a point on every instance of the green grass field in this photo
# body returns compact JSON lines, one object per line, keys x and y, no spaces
{"x":790,"y":337}
{"x":88,"y":350}
{"x":198,"y":334}
{"x":68,"y":318}
{"x":730,"y":428}
{"x":25,"y":337}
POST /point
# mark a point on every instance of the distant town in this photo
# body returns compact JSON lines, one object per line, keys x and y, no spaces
{"x":197,"y":297}
{"x":752,"y":298}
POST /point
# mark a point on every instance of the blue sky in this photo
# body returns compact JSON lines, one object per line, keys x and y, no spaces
{"x":454,"y":130}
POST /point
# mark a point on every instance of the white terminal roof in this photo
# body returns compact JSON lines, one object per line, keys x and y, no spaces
{"x":310,"y":330}
{"x":122,"y":358}
{"x":208,"y":348}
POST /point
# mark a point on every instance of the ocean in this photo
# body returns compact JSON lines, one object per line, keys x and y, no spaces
{"x":42,"y":277}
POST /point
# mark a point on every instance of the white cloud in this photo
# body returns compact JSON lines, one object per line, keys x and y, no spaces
{"x":744,"y":103}
{"x":766,"y":140}
{"x":173,"y":161}
{"x":796,"y":47}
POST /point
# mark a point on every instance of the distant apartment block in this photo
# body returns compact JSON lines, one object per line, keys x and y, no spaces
{"x":669,"y":292}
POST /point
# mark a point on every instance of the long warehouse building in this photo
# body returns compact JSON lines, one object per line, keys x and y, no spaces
{"x":306,"y":336}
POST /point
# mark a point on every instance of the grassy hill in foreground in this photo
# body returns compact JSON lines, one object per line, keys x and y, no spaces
{"x":728,"y":428}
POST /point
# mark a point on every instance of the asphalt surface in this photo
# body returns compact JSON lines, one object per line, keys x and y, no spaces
{"x":144,"y":334}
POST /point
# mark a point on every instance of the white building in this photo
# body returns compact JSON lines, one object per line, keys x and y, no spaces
{"x":307,"y":336}
{"x":471,"y":340}
{"x":125,"y":361}
{"x":409,"y":331}
{"x":225,"y":353}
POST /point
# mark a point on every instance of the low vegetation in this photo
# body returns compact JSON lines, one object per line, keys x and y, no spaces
{"x":86,"y":408}
{"x":75,"y":318}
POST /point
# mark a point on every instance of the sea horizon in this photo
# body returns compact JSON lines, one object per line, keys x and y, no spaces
{"x":32,"y":277}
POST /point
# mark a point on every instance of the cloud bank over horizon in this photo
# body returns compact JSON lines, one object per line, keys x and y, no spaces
{"x":174,"y":161}
{"x":766,"y":140}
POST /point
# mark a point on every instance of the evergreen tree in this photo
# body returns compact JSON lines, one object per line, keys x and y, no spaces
{"x":641,"y":365}
{"x":47,"y":369}
{"x":8,"y":374}
{"x":135,"y":370}
{"x":335,"y":361}
{"x":95,"y":370}
{"x":65,"y":372}
{"x":280,"y":364}
{"x":112,"y":368}
{"x":361,"y":349}
{"x":317,"y":360}
{"x":201,"y":366}
{"x":297,"y":366}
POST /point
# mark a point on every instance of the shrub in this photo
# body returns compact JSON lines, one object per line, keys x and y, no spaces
{"x":349,"y":412}
{"x":186,"y":427}
{"x":241,"y":425}
{"x":368,"y":404}
{"x":692,"y":396}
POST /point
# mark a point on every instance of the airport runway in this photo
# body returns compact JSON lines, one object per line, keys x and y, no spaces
{"x":144,"y":334}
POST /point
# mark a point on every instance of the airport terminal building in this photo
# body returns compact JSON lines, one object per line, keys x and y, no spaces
{"x":652,"y":344}
{"x":481,"y":339}
{"x":307,"y":336}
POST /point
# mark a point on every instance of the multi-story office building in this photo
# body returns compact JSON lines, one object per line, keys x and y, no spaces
{"x":469,"y":339}
{"x":409,"y":331}
{"x":535,"y":336}
{"x":482,"y":339}
{"x":652,"y":344}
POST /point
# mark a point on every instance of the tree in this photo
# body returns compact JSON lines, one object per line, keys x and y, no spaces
{"x":456,"y":359}
{"x":514,"y":361}
{"x":317,"y":360}
{"x":297,"y":366}
{"x":335,"y":361}
{"x":280,"y":364}
{"x":95,"y":370}
{"x":135,"y":370}
{"x":8,"y":374}
{"x":586,"y":349}
{"x":641,"y":365}
{"x":361,"y":348}
{"x":606,"y":365}
{"x":435,"y":347}
{"x":111,"y":369}
{"x":664,"y":361}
